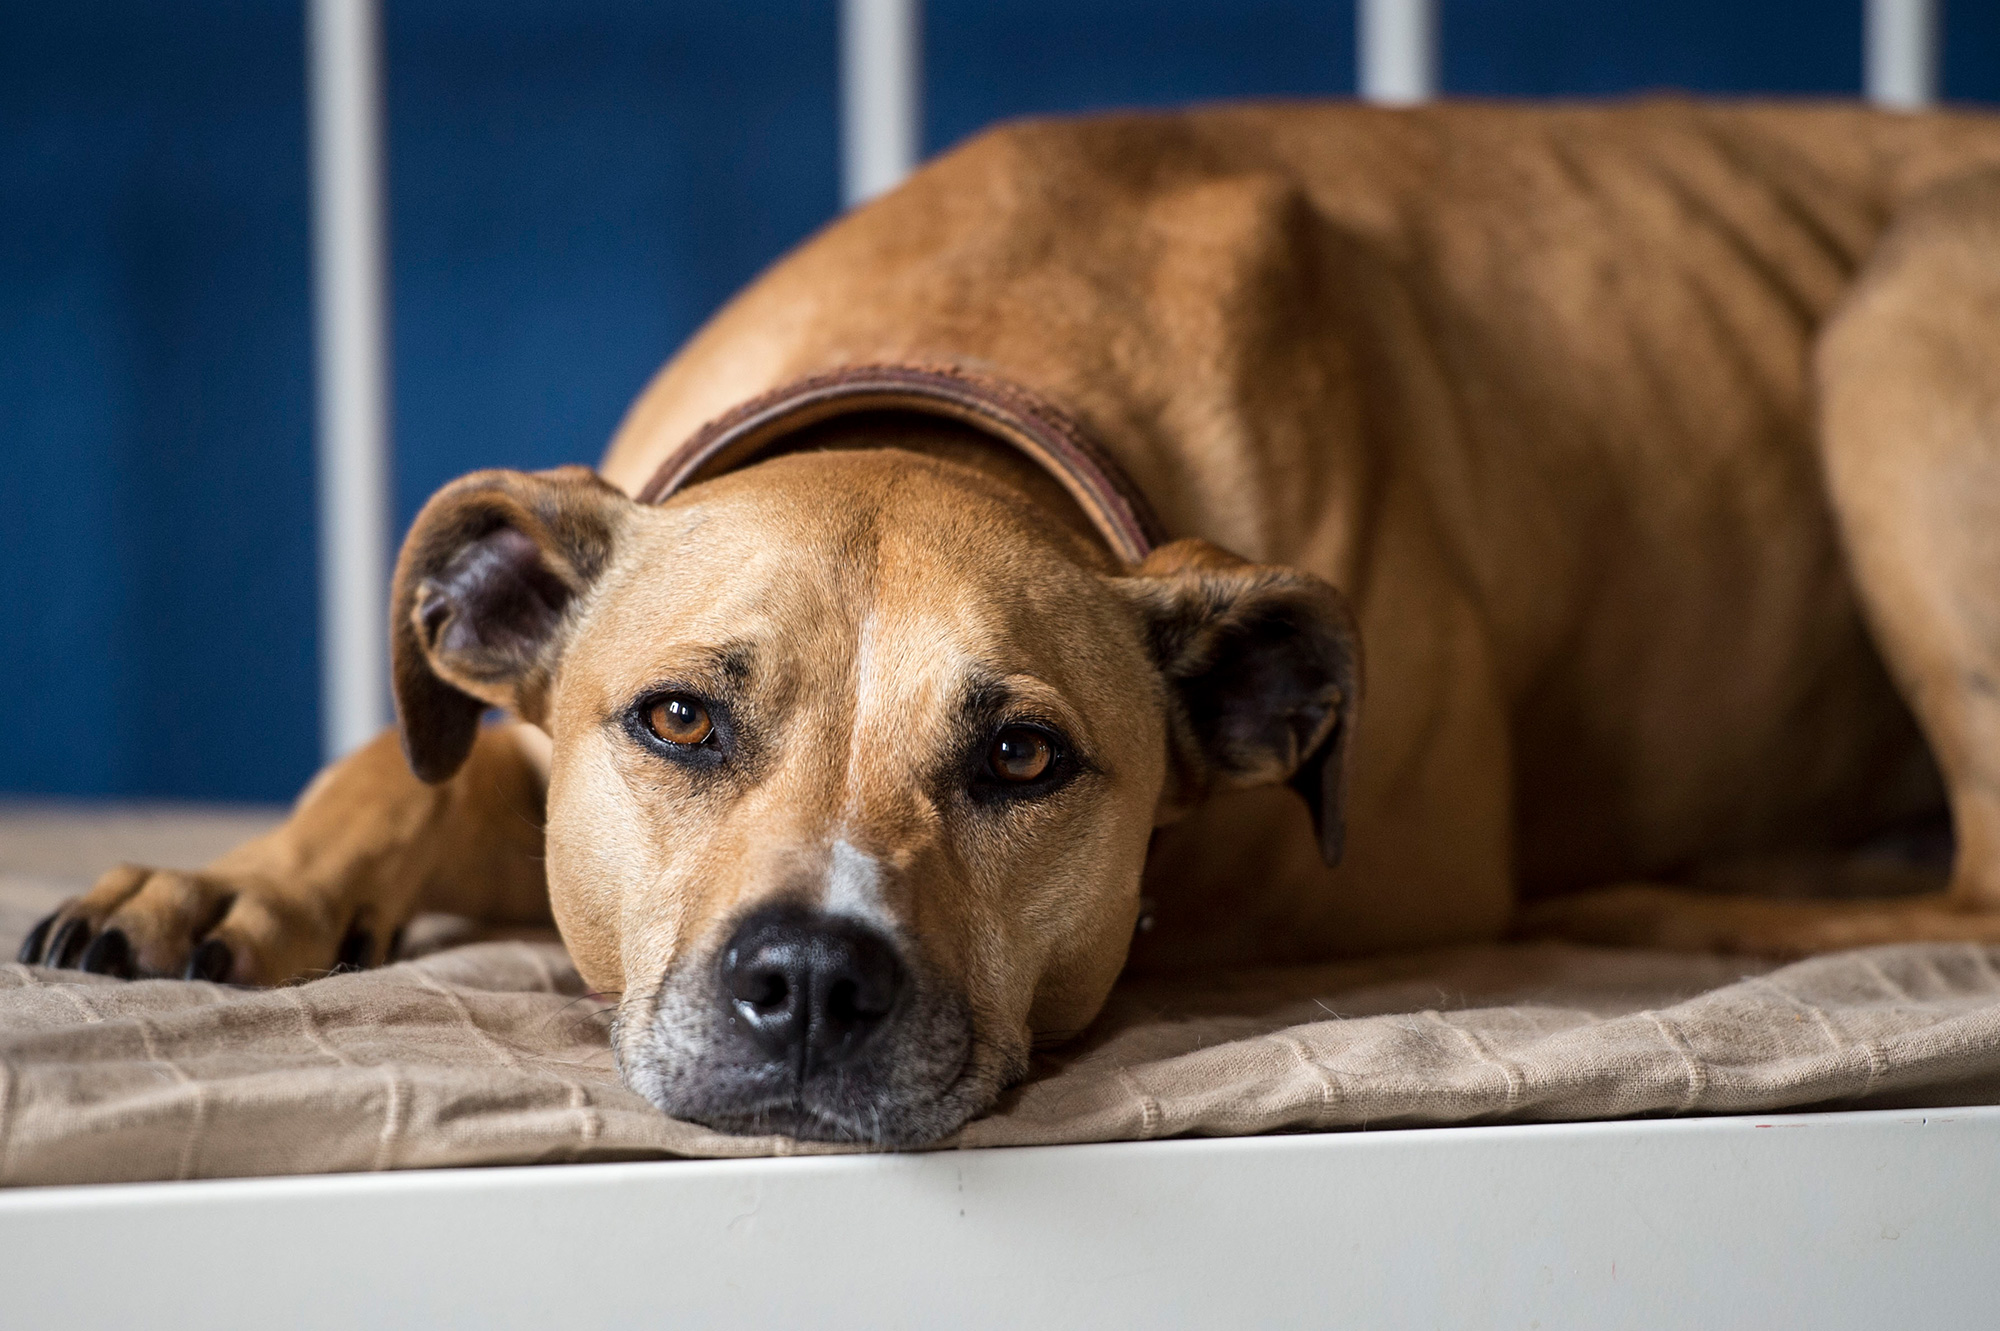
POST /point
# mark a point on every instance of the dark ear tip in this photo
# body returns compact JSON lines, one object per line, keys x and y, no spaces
{"x":1333,"y":845}
{"x":438,"y":738}
{"x":1318,"y":782}
{"x":434,"y":765}
{"x":431,"y":769}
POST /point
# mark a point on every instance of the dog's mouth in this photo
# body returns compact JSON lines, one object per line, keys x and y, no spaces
{"x":813,"y":1028}
{"x":811,"y":1114}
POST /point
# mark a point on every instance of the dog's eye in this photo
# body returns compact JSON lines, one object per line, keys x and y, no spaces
{"x":679,"y":719}
{"x":1020,"y":755}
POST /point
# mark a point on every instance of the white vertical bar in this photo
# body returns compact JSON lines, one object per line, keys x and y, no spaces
{"x":1901,"y":53}
{"x":1397,"y":41}
{"x":881,"y":99}
{"x":351,"y":342}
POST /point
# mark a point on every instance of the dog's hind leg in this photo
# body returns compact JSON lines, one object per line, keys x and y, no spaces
{"x":367,"y":845}
{"x":1909,"y":395}
{"x":1686,"y":920}
{"x":1909,"y":382}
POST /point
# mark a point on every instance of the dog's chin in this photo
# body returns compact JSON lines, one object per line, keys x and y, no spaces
{"x":889,"y":1127}
{"x":916,"y":1085}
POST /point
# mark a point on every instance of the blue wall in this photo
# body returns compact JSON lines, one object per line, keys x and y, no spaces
{"x":575,"y":185}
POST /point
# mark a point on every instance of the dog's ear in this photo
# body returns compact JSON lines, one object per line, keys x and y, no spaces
{"x":1264,"y":668}
{"x":487,"y":577}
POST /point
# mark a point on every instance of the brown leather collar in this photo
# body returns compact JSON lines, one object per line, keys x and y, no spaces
{"x":1005,"y":411}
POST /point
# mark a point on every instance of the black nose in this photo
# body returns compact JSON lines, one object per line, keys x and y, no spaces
{"x":808,"y":989}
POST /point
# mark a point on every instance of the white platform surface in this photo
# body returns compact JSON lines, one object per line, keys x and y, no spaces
{"x":1883,"y":1219}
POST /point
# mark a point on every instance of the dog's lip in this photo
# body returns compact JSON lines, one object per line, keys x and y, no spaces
{"x":797,"y":1120}
{"x":790,"y":1114}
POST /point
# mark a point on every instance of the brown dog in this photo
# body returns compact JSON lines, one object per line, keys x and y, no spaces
{"x":1638,"y":439}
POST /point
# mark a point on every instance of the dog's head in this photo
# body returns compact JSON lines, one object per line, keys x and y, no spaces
{"x":856,"y":759}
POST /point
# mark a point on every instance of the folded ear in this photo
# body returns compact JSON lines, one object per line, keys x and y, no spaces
{"x":488,"y":575}
{"x":1265,"y":666}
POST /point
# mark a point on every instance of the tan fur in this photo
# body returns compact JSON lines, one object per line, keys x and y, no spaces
{"x":1639,"y":439}
{"x":828,"y":574}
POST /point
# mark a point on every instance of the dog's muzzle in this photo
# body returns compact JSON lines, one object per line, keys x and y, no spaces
{"x":810,"y":1024}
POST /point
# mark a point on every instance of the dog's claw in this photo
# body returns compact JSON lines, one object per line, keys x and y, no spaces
{"x":110,"y":953}
{"x":355,"y":949}
{"x":67,"y":945}
{"x":31,"y":946}
{"x":211,"y":961}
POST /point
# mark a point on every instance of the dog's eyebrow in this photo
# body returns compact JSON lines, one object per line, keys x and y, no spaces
{"x":982,"y":697}
{"x":722,"y":669}
{"x":986,"y":697}
{"x":733,"y":661}
{"x":730,"y":662}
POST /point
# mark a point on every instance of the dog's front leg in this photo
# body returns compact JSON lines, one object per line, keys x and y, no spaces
{"x":366,"y":847}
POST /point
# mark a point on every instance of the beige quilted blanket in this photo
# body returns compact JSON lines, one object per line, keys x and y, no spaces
{"x":489,"y":1053}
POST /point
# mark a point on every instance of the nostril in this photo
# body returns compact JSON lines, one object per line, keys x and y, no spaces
{"x":843,"y":1002}
{"x":849,"y":1002}
{"x":764,"y":988}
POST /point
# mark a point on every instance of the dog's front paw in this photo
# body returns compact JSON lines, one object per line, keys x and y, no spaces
{"x":151,"y":923}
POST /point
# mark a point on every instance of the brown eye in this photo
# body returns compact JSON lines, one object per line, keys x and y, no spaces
{"x":1020,"y":754}
{"x":679,"y":719}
